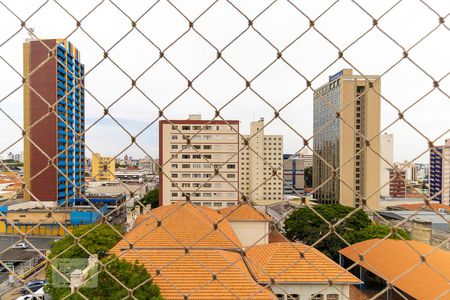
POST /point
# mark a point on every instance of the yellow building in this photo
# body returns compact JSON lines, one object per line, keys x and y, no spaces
{"x":103,"y":168}
{"x":346,"y":163}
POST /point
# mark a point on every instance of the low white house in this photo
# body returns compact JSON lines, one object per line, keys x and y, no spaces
{"x":250,"y":225}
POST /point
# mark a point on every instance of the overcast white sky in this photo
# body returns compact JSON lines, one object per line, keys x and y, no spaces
{"x":407,"y":23}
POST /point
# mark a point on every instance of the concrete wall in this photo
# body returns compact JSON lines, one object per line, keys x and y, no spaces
{"x":251,"y":232}
{"x":307,"y":290}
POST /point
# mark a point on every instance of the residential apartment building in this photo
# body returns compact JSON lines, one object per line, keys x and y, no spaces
{"x":261,"y":164}
{"x":103,"y":168}
{"x":386,"y":162}
{"x":199,"y":160}
{"x":440,"y":173}
{"x":346,"y":119}
{"x":149,"y":165}
{"x":293,"y":175}
{"x":397,"y":185}
{"x":55,"y":83}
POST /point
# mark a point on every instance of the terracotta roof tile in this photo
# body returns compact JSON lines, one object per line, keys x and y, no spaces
{"x":400,"y":262}
{"x":181,"y":225}
{"x":243,"y":212}
{"x":192,"y":274}
{"x":283,"y":262}
{"x":417,"y":206}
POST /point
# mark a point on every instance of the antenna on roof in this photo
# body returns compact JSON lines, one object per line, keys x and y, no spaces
{"x":31,"y":34}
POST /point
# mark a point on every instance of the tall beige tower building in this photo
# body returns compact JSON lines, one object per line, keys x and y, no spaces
{"x":199,"y":160}
{"x":386,"y":162}
{"x":346,"y":123}
{"x":258,"y":162}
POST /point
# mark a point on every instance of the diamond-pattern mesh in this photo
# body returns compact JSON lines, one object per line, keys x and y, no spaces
{"x":155,"y":61}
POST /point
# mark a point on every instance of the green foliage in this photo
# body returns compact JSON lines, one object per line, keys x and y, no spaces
{"x":99,"y":241}
{"x":376,"y":231}
{"x":151,"y":198}
{"x":307,"y":227}
{"x":308,"y":177}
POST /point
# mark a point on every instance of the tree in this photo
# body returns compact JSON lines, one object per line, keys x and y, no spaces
{"x":99,"y":241}
{"x":306,"y":226}
{"x":151,"y":198}
{"x":308,"y":177}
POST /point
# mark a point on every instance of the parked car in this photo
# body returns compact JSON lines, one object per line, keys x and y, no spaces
{"x":38,"y":295}
{"x":32,"y":286}
{"x":21,"y":245}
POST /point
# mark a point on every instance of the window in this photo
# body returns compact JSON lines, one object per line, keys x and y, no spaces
{"x":207,"y":203}
{"x":185,"y":156}
{"x":196,"y":166}
{"x":185,"y":175}
{"x":332,"y":297}
{"x":185,"y":185}
{"x":230,"y":203}
{"x":186,"y":127}
{"x":207,"y":185}
{"x":196,"y":175}
{"x":316,"y":297}
{"x":174,"y":184}
{"x":198,"y":147}
{"x":293,"y":297}
{"x":231,"y":175}
{"x":175,"y":166}
{"x":174,"y":137}
{"x":280,"y":296}
{"x":196,"y":194}
{"x":207,"y":194}
{"x":196,"y":156}
{"x":207,"y":156}
{"x":174,"y":175}
{"x":206,"y":175}
{"x":185,"y":166}
{"x":174,"y":146}
{"x":196,"y":127}
{"x":217,"y":204}
{"x":174,"y":194}
{"x":207,"y":147}
{"x":196,"y":185}
{"x":231,"y":166}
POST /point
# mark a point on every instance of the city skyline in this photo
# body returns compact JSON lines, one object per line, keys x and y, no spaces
{"x":278,"y":85}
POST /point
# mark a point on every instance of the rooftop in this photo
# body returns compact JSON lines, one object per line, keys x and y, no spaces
{"x":187,"y":254}
{"x":243,"y":212}
{"x":400,"y":262}
{"x":294,"y":262}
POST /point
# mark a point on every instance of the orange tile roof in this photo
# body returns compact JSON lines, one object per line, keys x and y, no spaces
{"x":192,"y":274}
{"x":181,"y":225}
{"x":417,"y":206}
{"x":275,"y":236}
{"x":212,"y":252}
{"x":283,"y":263}
{"x":400,"y":263}
{"x":243,"y":212}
